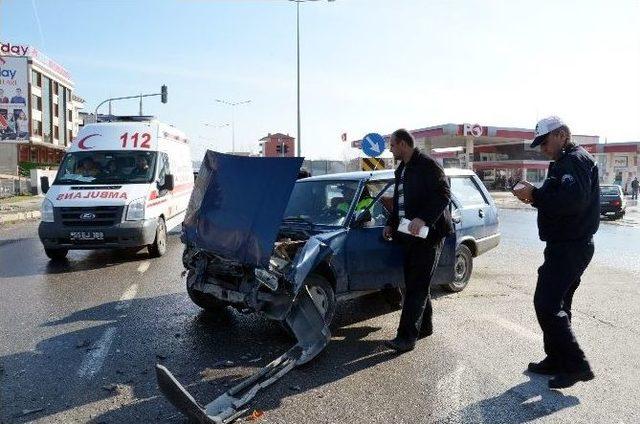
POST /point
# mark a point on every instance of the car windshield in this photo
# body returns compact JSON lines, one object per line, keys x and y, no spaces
{"x":320,"y":202}
{"x":107,"y":167}
{"x":609,"y":191}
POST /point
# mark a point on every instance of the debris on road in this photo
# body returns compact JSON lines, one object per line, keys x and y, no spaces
{"x":31,"y":411}
{"x":255,"y":415}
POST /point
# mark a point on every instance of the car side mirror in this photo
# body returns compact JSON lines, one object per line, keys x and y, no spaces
{"x":362,"y":217}
{"x":44,"y":184}
{"x":168,"y":183}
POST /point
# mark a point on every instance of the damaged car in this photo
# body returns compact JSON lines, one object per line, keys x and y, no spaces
{"x":264,"y":236}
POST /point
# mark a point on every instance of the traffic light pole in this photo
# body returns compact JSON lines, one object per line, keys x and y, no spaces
{"x":163,"y":94}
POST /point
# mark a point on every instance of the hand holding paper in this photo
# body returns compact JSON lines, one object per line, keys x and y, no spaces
{"x":421,"y":232}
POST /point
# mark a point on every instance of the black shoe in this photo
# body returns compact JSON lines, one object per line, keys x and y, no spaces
{"x":545,"y":367}
{"x":568,"y":379}
{"x":425,"y":331}
{"x":400,"y":345}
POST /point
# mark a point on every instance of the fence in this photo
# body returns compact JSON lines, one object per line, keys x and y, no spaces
{"x":11,"y":185}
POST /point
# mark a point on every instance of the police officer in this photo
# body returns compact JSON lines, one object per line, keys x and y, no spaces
{"x":568,"y":204}
{"x":421,"y":195}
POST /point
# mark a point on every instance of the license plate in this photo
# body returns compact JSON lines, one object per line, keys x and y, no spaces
{"x":86,"y":235}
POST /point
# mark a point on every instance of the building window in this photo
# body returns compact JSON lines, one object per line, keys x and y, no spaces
{"x":70,"y":116}
{"x":36,"y":102}
{"x":56,"y":110}
{"x":36,"y":78}
{"x":37,"y":127}
{"x":56,"y":132}
{"x":70,"y":137}
{"x":55,"y":88}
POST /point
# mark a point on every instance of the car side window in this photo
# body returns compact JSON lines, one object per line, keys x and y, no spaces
{"x":381,"y":209}
{"x":467,"y":192}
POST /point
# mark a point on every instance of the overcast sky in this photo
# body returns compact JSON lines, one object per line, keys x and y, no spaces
{"x":366,"y":65}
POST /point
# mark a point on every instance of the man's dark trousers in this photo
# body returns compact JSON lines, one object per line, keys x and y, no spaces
{"x":558,"y":279}
{"x":420,"y":262}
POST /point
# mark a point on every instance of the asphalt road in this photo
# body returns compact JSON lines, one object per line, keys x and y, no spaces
{"x":79,"y":342}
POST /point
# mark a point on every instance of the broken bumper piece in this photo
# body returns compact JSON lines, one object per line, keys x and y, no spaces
{"x":306,"y":322}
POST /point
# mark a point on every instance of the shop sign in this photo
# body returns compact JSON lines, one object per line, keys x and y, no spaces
{"x":474,"y":130}
{"x":14,"y":114}
{"x":620,"y":161}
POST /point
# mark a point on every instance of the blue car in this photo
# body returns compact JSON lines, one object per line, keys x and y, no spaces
{"x":255,"y":236}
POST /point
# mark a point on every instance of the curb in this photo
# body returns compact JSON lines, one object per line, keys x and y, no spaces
{"x":20,"y":216}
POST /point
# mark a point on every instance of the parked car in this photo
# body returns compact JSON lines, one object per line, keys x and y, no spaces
{"x":612,"y":202}
{"x":254,"y":236}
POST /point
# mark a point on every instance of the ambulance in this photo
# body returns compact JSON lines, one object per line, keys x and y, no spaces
{"x":123,"y":184}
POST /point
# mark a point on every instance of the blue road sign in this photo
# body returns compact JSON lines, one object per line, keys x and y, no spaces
{"x":373,"y":144}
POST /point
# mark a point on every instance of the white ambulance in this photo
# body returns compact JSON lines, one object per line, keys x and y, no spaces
{"x":122,"y":184}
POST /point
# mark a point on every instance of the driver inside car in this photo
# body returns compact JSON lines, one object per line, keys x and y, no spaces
{"x":348,"y":193}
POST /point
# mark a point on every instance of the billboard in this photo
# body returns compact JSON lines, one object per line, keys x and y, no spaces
{"x":14,"y":92}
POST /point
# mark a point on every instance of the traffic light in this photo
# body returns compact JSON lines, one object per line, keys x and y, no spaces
{"x":163,"y":94}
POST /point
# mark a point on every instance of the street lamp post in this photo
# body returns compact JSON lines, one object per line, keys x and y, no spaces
{"x":233,"y":119}
{"x":298,"y":66}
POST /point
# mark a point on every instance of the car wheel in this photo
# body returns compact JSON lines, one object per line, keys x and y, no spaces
{"x":159,"y":246}
{"x":206,"y":301}
{"x":462,"y":270}
{"x":56,"y":254}
{"x":323,"y":296}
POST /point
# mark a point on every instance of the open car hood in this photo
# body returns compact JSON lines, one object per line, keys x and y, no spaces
{"x":237,"y":205}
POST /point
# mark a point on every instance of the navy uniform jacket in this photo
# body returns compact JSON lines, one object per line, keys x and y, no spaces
{"x":426,"y":194}
{"x":568,"y":202}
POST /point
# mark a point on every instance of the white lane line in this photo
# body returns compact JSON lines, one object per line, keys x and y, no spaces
{"x":94,"y":360}
{"x":125,"y":299}
{"x":516,"y":328}
{"x":144,"y":266}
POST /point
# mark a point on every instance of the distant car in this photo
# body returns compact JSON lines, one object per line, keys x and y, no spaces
{"x":612,"y":201}
{"x":254,"y":239}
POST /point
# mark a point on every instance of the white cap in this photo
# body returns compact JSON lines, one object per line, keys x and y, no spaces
{"x":544,"y":127}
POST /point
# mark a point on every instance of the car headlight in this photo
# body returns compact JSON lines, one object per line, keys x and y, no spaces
{"x":135,"y":210}
{"x":46,"y":211}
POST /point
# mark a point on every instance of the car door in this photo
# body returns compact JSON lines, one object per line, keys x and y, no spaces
{"x":372,"y":262}
{"x":472,"y":207}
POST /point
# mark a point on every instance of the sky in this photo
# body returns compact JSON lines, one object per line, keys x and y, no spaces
{"x":366,"y":65}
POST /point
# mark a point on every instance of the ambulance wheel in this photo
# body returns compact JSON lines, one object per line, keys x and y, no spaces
{"x":159,"y":246}
{"x":56,"y":254}
{"x":462,"y":270}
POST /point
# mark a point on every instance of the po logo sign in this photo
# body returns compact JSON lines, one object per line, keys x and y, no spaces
{"x":474,"y":130}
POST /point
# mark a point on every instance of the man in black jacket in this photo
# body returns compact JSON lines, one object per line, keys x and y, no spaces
{"x":421,"y":195}
{"x":568,"y":206}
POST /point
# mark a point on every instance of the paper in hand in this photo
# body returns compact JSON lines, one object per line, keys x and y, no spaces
{"x":404,"y":228}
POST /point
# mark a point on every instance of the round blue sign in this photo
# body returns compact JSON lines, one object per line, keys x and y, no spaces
{"x":373,"y":144}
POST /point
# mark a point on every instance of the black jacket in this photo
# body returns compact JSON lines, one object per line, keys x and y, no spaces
{"x":569,"y":200}
{"x":426,"y":194}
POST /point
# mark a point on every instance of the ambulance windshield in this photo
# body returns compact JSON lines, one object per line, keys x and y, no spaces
{"x":107,"y":167}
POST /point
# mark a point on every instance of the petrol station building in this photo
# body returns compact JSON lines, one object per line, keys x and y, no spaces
{"x":502,"y":154}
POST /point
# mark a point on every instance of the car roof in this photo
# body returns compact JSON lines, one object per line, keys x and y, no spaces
{"x":378,"y":175}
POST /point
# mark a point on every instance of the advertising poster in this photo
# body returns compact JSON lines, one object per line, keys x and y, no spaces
{"x":14,"y":112}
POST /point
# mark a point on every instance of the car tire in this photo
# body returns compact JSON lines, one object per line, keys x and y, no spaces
{"x":159,"y":246}
{"x":462,"y":272}
{"x":206,"y":301}
{"x":323,"y":294}
{"x":56,"y":254}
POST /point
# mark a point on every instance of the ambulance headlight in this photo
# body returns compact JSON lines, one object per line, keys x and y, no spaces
{"x":46,"y":211}
{"x":135,"y":210}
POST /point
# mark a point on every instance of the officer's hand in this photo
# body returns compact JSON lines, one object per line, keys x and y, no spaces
{"x":415,"y":225}
{"x":387,"y":233}
{"x":524,"y":191}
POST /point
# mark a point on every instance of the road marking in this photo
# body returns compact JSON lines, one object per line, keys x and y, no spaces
{"x":453,"y":398}
{"x":125,"y":299}
{"x":516,"y":328}
{"x":94,"y":360}
{"x":143,"y":267}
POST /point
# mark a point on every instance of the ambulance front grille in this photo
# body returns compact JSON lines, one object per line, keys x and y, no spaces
{"x":97,"y":216}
